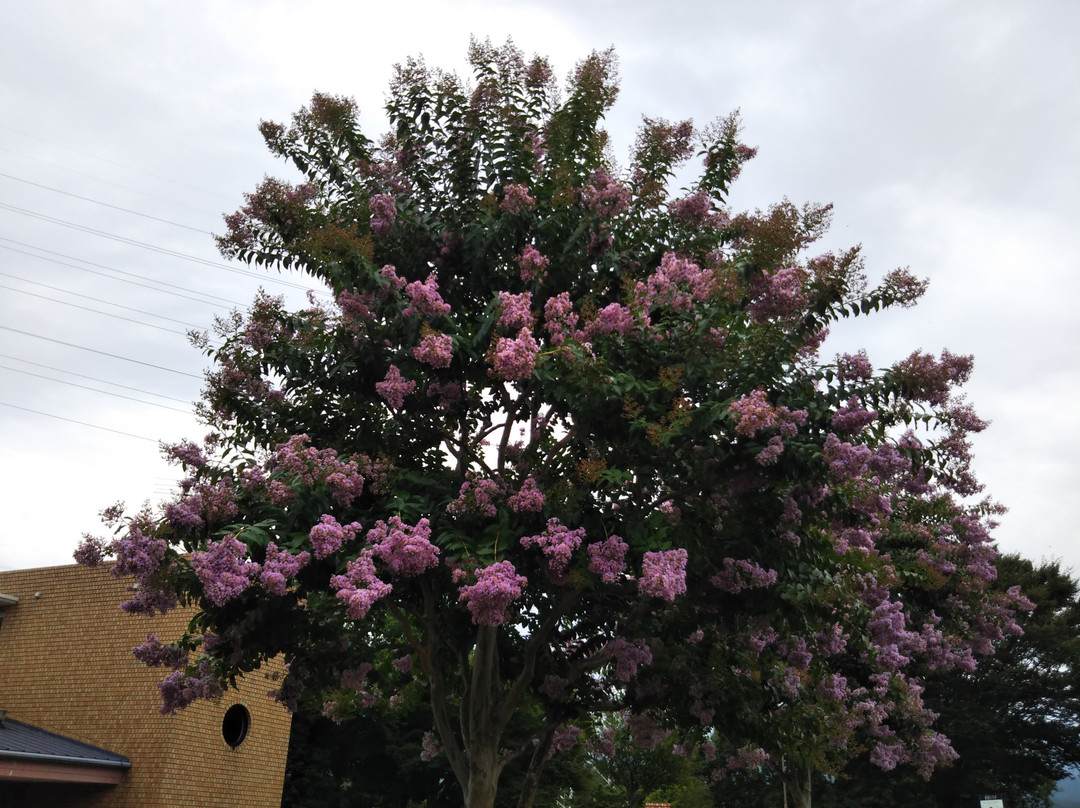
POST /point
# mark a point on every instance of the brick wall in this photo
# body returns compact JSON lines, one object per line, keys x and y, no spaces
{"x":66,"y":666}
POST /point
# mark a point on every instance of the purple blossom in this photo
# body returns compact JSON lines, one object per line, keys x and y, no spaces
{"x":328,"y":536}
{"x":608,"y":558}
{"x":186,"y":453}
{"x":155,"y":654}
{"x":748,"y":757}
{"x":532,"y":264}
{"x":854,"y":367}
{"x":496,"y":587}
{"x":528,"y":499}
{"x":888,"y":756}
{"x":429,"y":748}
{"x":394,"y":387}
{"x":752,"y":413}
{"x":383,"y":214}
{"x":478,"y":494}
{"x":740,"y":574}
{"x":90,"y":552}
{"x":222,"y":569}
{"x":360,"y":588}
{"x":516,"y":199}
{"x":389,"y":271}
{"x":425,"y":300}
{"x":852,"y":417}
{"x":515,"y":359}
{"x":779,"y":295}
{"x":564,"y":739}
{"x":280,"y":565}
{"x":435,"y":349}
{"x":663,"y":574}
{"x":559,"y":318}
{"x":405,"y":549}
{"x":771,"y":453}
{"x":557,"y":543}
{"x":645,"y":731}
{"x":515,"y":311}
{"x":606,"y":197}
{"x":677,"y":284}
{"x":178,"y":689}
{"x":628,"y":656}
{"x":614,"y":318}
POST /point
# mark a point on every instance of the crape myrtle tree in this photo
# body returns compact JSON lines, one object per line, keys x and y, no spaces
{"x":561,"y":443}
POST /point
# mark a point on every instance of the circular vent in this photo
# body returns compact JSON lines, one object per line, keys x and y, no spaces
{"x":235,"y":724}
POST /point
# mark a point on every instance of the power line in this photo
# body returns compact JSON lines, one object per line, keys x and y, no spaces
{"x":120,"y":185}
{"x":93,"y":378}
{"x":103,"y":353}
{"x":73,"y":421}
{"x":95,"y":390}
{"x":116,"y":163}
{"x":113,"y":269}
{"x":97,"y":300}
{"x":94,"y":311}
{"x":106,"y":204}
{"x":153,"y":247}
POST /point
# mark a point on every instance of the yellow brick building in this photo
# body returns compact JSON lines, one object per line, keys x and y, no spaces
{"x":66,"y":667}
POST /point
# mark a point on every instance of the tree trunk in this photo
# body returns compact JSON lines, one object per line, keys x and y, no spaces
{"x":797,"y":784}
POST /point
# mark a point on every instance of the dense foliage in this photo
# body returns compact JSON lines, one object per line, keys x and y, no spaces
{"x":561,"y":444}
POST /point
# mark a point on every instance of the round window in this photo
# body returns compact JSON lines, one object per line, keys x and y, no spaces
{"x":235,"y":724}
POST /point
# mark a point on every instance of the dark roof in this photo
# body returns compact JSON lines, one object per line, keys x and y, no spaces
{"x":27,"y":742}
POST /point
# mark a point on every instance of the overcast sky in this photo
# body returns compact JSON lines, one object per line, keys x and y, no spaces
{"x":947,"y":134}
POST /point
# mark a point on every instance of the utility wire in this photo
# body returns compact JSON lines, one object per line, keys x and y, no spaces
{"x":153,"y":247}
{"x":103,"y":353}
{"x":73,"y":421}
{"x":113,"y":269}
{"x":94,"y":389}
{"x":99,"y":300}
{"x":116,"y":163}
{"x":95,"y":311}
{"x":93,"y":378}
{"x":120,"y":185}
{"x":106,"y":204}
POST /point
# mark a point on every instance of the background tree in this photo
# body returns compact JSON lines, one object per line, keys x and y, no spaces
{"x":561,"y":444}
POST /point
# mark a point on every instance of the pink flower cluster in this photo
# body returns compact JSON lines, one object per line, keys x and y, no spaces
{"x":425,"y":300}
{"x":532,"y":264}
{"x":528,"y":499}
{"x":405,"y":549}
{"x":187,"y":454}
{"x":394,"y":387}
{"x":478,"y":494}
{"x":389,"y":271}
{"x":516,"y":199}
{"x":663,"y":574}
{"x":614,"y":318}
{"x":608,"y":558}
{"x":222,"y":569}
{"x":605,"y":196}
{"x":677,"y":284}
{"x":309,"y":465}
{"x":383,"y":213}
{"x":155,"y":654}
{"x":359,"y":587}
{"x":178,"y":690}
{"x":748,"y":757}
{"x":647,"y":734}
{"x":328,"y":536}
{"x":557,"y":543}
{"x":560,"y":318}
{"x":515,"y":359}
{"x":628,"y":656}
{"x":753,"y":413}
{"x":515,"y":311}
{"x":496,"y":587}
{"x":779,"y":295}
{"x":739,"y":574}
{"x":852,"y":417}
{"x":280,"y":565}
{"x":564,"y":739}
{"x":435,"y":349}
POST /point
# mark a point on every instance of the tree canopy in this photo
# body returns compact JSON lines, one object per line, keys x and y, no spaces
{"x":560,"y":442}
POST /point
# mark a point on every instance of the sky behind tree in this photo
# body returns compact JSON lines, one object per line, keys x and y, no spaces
{"x":944,"y":133}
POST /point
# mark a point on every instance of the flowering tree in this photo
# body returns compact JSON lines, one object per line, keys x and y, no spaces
{"x":561,"y":444}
